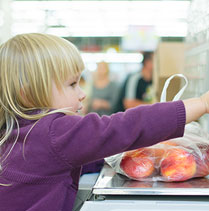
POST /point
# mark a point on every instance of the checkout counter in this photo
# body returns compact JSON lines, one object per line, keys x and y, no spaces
{"x":109,"y":191}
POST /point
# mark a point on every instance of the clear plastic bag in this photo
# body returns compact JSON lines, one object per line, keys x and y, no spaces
{"x":177,"y":159}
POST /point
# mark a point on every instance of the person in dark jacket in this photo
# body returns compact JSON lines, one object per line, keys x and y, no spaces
{"x":137,"y":87}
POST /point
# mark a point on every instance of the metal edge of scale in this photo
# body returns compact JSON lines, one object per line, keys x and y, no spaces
{"x":103,"y":186}
{"x":153,"y":191}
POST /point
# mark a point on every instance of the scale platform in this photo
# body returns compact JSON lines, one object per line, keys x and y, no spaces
{"x":111,"y":183}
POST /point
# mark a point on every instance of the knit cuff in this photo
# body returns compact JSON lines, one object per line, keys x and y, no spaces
{"x":181,"y":116}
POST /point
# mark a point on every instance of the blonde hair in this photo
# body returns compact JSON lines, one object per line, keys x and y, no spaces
{"x":28,"y":65}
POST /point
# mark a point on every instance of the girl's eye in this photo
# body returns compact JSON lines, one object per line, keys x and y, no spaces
{"x":73,"y":84}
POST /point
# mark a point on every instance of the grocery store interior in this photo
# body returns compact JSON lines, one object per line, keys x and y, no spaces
{"x":118,"y":32}
{"x":117,"y":35}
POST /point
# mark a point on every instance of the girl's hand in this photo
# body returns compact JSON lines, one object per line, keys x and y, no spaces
{"x":196,"y":107}
{"x":205,"y":100}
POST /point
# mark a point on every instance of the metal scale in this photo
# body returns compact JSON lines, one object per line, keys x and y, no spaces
{"x":114,"y":192}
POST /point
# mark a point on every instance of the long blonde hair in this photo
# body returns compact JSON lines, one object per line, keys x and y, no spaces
{"x":28,"y":65}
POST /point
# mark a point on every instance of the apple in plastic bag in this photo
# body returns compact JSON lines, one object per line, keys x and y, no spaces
{"x":178,"y":165}
{"x":137,"y":164}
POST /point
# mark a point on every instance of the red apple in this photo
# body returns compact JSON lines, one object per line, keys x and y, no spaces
{"x":178,"y":165}
{"x":137,"y":164}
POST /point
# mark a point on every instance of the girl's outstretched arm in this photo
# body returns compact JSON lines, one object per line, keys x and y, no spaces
{"x":80,"y":140}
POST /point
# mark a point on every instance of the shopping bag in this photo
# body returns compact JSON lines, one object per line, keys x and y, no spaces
{"x":178,"y":159}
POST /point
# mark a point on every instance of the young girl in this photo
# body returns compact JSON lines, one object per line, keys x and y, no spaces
{"x":44,"y":142}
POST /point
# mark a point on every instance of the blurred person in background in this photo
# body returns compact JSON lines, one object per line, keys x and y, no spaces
{"x":104,"y":92}
{"x":137,"y":88}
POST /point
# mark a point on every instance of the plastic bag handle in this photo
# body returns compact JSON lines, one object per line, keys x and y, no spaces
{"x":181,"y":91}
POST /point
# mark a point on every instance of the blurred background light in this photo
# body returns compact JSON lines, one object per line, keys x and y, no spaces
{"x":99,"y":18}
{"x":112,"y":57}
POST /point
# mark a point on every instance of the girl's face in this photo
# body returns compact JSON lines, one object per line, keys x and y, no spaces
{"x":70,"y":96}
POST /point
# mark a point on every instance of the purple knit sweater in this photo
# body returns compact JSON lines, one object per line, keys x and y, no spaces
{"x":45,"y":177}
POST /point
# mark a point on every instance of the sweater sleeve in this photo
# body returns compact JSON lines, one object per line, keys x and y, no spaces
{"x":79,"y":140}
